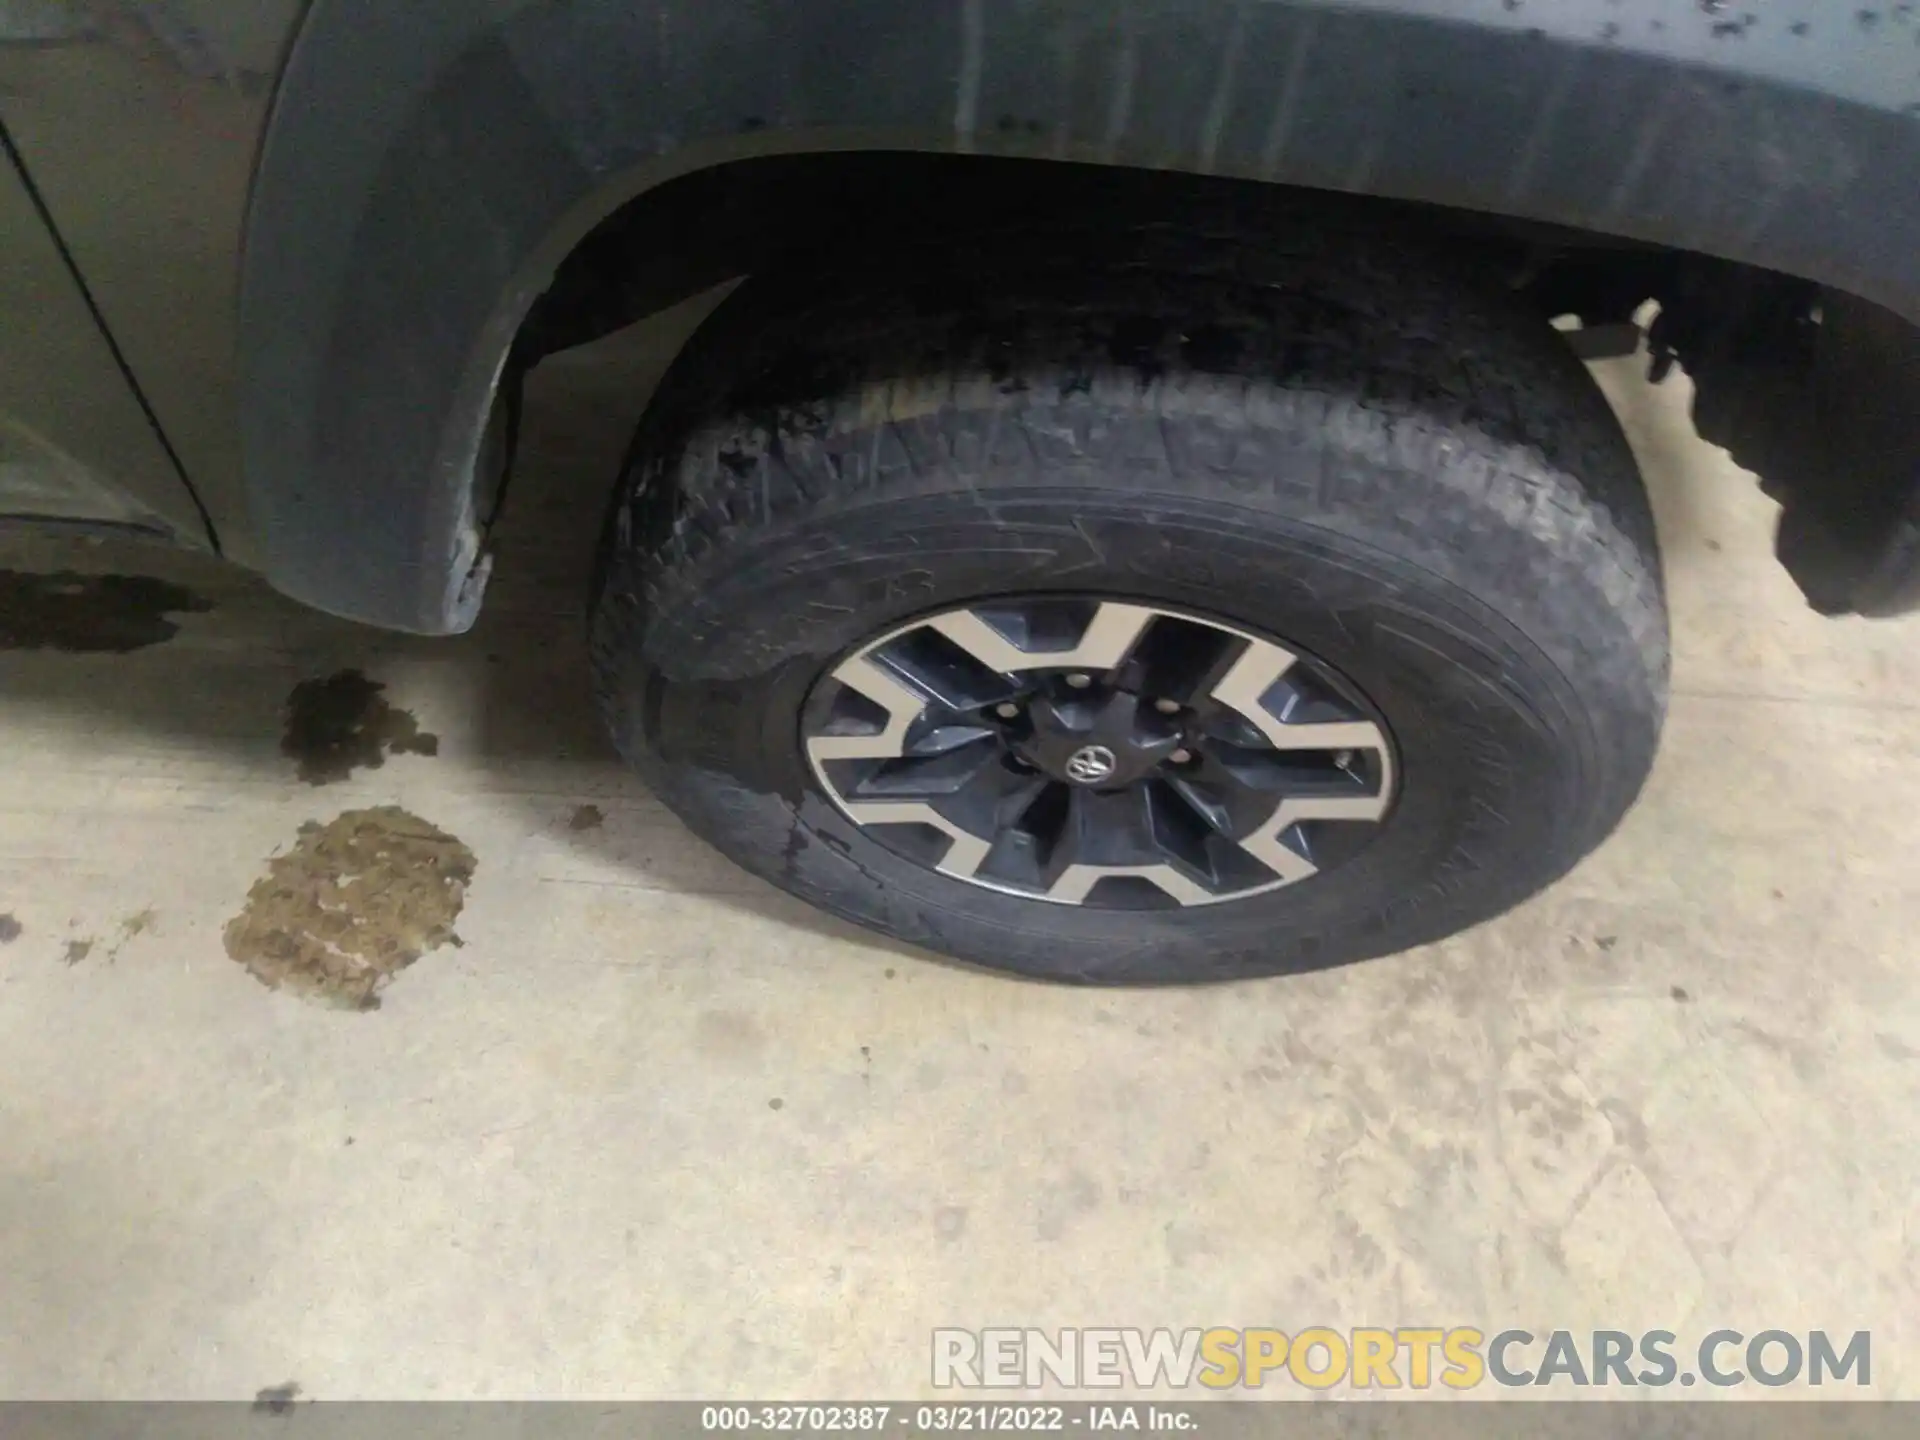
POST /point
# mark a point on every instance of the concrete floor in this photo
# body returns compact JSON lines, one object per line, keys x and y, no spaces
{"x":656,"y":1129}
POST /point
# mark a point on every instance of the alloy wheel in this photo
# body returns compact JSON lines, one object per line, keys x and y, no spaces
{"x":1100,"y":752}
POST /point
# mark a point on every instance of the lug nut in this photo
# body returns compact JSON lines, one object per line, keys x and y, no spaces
{"x":1079,"y":682}
{"x":1181,"y":757}
{"x":1167,"y":707}
{"x":1006,"y":710}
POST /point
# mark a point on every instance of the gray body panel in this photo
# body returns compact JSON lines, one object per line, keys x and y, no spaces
{"x":139,"y":121}
{"x":75,"y":444}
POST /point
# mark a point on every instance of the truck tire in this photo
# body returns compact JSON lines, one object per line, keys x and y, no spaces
{"x":1137,"y":607}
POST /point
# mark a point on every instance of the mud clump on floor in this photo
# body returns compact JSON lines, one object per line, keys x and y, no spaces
{"x":586,"y":817}
{"x":355,"y":902}
{"x":337,"y":725}
{"x":9,"y":929}
{"x":80,"y":613}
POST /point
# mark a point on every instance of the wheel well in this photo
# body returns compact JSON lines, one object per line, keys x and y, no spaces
{"x":731,"y":220}
{"x":1737,"y":327}
{"x":1751,"y":338}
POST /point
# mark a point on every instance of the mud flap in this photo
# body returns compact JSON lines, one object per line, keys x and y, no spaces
{"x":1819,"y":394}
{"x":1851,"y":536}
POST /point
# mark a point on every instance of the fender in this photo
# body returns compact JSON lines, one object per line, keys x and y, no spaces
{"x":427,"y":166}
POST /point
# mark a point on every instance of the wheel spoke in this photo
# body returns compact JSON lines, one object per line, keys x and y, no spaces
{"x":1226,"y":803}
{"x":942,"y":738}
{"x":995,"y":796}
{"x":1326,"y":735}
{"x":963,"y":856}
{"x":1109,"y":635}
{"x":1246,"y":688}
{"x":1113,"y":835}
{"x":1249,"y":678}
{"x":902,"y":707}
{"x":1269,"y":844}
{"x":952,"y":676}
{"x":926,"y":777}
{"x":968,"y":794}
{"x":1180,"y":660}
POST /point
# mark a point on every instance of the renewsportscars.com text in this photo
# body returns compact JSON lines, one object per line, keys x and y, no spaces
{"x":1461,"y":1357}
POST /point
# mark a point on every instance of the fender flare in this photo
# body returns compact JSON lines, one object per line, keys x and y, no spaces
{"x":427,"y":165}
